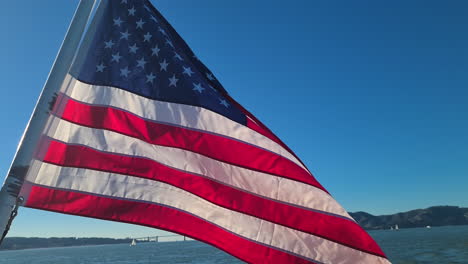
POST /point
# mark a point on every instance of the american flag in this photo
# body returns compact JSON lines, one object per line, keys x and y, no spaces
{"x":142,"y":132}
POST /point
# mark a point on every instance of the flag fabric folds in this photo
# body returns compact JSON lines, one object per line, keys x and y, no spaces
{"x":142,"y":132}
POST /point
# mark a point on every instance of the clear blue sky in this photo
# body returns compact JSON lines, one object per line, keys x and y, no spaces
{"x":372,"y":95}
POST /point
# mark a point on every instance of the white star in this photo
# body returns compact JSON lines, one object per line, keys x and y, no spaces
{"x":223,"y":102}
{"x":124,"y":72}
{"x":198,"y":87}
{"x":150,"y":78}
{"x":162,"y":31}
{"x":141,"y":62}
{"x":131,"y":11}
{"x":154,"y":19}
{"x":210,"y":76}
{"x":188,"y":71}
{"x":116,"y":57}
{"x":170,"y":43}
{"x":117,"y":22}
{"x":173,"y":81}
{"x":109,"y":44}
{"x":163,"y":65}
{"x":100,"y":67}
{"x":147,"y":37}
{"x":133,"y":48}
{"x":125,"y":35}
{"x":155,"y":51}
{"x":178,"y":56}
{"x":140,"y":23}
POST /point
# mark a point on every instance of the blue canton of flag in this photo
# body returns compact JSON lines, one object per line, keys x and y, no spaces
{"x":132,"y":47}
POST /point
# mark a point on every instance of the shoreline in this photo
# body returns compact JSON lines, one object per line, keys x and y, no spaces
{"x":128,"y":241}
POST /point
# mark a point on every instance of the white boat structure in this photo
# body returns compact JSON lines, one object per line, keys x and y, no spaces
{"x":396,"y":227}
{"x":133,"y":243}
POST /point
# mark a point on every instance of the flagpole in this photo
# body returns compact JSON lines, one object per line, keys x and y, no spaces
{"x":9,"y":200}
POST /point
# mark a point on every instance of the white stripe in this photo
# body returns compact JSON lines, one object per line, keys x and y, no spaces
{"x":127,"y":187}
{"x":171,"y":113}
{"x":263,"y":184}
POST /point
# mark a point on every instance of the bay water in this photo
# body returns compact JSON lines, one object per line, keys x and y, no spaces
{"x":406,"y":246}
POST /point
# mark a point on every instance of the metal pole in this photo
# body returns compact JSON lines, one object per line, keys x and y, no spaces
{"x":30,"y":139}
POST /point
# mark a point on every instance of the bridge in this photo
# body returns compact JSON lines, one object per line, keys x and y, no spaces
{"x":160,"y":238}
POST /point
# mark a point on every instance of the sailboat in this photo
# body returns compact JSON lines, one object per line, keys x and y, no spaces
{"x":396,"y":227}
{"x":133,"y":243}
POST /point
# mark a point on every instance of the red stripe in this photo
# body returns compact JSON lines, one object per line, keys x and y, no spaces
{"x":258,"y":126}
{"x":330,"y":227}
{"x":217,"y":147}
{"x":157,"y":216}
{"x":254,"y":126}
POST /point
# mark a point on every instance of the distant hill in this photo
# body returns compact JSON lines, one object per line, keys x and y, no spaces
{"x":432,"y":216}
{"x":11,"y":243}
